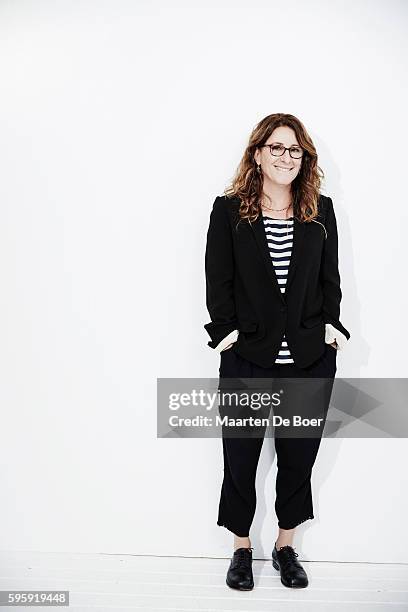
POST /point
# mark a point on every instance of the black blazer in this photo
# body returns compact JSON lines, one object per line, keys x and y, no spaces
{"x":242,"y":291}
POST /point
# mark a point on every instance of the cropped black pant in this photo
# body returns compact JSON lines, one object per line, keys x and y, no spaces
{"x":295,"y":455}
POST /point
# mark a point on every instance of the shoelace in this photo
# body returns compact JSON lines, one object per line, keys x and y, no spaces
{"x":243,"y":559}
{"x":290,"y":554}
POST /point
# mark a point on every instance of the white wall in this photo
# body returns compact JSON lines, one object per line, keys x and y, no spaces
{"x":120,"y":123}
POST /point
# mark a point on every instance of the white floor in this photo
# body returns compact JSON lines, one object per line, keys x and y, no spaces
{"x":125,"y":582}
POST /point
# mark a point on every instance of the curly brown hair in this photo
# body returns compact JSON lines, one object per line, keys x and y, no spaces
{"x":247,"y":184}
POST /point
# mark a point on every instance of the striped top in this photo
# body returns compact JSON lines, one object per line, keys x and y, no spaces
{"x":279,"y":236}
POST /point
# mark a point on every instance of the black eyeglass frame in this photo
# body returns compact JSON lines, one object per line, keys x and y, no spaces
{"x":284,"y":151}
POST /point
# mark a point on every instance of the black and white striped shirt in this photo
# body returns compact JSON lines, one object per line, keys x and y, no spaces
{"x":279,"y":235}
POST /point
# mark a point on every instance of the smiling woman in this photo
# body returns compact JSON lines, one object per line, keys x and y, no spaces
{"x":273,"y":295}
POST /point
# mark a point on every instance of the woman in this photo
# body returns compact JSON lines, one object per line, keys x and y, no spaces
{"x":273,"y":295}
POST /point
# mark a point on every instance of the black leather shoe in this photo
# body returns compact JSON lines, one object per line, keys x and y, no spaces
{"x":292,"y":573}
{"x":239,"y":575}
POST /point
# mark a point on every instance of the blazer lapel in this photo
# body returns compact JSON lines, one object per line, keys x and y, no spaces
{"x":298,"y":236}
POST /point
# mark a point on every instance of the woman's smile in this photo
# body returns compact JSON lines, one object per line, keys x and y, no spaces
{"x":282,"y":169}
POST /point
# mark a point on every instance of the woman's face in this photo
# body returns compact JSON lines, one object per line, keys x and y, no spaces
{"x":284,"y":169}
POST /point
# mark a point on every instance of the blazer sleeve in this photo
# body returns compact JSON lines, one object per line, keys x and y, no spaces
{"x":219,"y":274}
{"x":330,"y":276}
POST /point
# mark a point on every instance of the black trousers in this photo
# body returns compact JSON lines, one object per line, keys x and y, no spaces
{"x":295,"y":455}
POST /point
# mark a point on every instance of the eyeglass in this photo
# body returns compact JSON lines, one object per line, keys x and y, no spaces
{"x":278,"y":150}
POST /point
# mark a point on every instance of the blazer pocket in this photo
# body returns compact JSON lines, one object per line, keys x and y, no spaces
{"x":251,"y":332}
{"x":312,"y":321}
{"x":248,"y":326}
